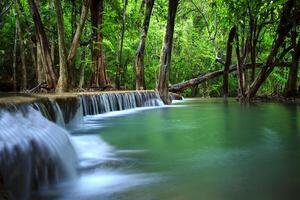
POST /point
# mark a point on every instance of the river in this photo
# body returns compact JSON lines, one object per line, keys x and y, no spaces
{"x":195,"y":149}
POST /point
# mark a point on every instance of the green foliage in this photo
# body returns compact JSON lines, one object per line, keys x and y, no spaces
{"x":201,"y":33}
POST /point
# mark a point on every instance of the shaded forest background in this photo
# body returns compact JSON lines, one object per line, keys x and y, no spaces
{"x":259,"y":38}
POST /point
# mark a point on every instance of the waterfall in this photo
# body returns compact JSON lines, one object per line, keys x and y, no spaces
{"x":36,"y":153}
{"x":108,"y":102}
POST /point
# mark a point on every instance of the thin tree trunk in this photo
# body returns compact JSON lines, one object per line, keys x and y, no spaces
{"x":41,"y":77}
{"x":76,"y":38}
{"x":139,"y":59}
{"x":63,"y":82}
{"x":72,"y":68}
{"x":228,"y":60}
{"x":82,"y":69}
{"x":195,"y":90}
{"x":240,"y":71}
{"x":74,"y":16}
{"x":44,"y":46}
{"x":15,"y":58}
{"x":78,"y":32}
{"x":284,"y":28}
{"x":32,"y":49}
{"x":53,"y":36}
{"x":119,"y":65}
{"x":100,"y":79}
{"x":22,"y":55}
{"x":166,"y":53}
{"x":52,"y":49}
{"x":253,"y":46}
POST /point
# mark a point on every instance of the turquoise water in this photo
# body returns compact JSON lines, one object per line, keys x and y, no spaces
{"x":212,"y":150}
{"x":196,"y":149}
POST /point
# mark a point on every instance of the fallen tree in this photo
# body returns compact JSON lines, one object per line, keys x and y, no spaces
{"x":180,"y":87}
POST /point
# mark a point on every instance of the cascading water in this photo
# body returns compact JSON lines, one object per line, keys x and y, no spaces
{"x":108,"y":102}
{"x":36,"y":153}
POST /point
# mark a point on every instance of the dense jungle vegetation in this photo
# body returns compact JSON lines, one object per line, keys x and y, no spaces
{"x":219,"y":47}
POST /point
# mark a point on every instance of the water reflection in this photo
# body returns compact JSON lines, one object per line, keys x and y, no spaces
{"x":198,"y":149}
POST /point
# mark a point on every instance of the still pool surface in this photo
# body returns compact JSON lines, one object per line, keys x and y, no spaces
{"x":200,"y":149}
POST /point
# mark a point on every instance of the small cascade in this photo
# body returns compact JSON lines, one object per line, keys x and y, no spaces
{"x":58,"y":114}
{"x":108,"y":102}
{"x":34,"y":152}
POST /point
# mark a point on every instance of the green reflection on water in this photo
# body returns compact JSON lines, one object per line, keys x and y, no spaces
{"x":212,"y":150}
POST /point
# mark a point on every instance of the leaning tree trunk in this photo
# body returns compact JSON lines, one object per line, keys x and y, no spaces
{"x":100,"y":79}
{"x":166,"y":53}
{"x":44,"y":45}
{"x":76,"y":38}
{"x":285,"y":25}
{"x":63,"y":82}
{"x":228,"y":60}
{"x":139,"y":59}
{"x":180,"y":87}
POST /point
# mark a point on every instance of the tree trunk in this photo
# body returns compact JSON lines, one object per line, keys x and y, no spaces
{"x":32,"y":48}
{"x":22,"y":49}
{"x":31,"y":41}
{"x":73,"y":16}
{"x":253,"y":45}
{"x":23,"y":85}
{"x":63,"y":82}
{"x":100,"y":79}
{"x":53,"y":36}
{"x":44,"y":46}
{"x":76,"y":38}
{"x":195,"y":90}
{"x":166,"y":53}
{"x":240,"y":71}
{"x":72,"y":68}
{"x":139,"y":59}
{"x":14,"y":65}
{"x":119,"y":70}
{"x":291,"y":87}
{"x":40,"y":72}
{"x":82,"y":69}
{"x":228,"y":60}
{"x":179,"y":87}
{"x":284,"y":28}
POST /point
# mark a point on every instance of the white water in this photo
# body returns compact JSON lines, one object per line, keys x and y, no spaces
{"x":33,"y":148}
{"x":94,"y":158}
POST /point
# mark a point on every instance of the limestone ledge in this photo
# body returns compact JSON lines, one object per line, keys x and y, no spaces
{"x":27,"y":98}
